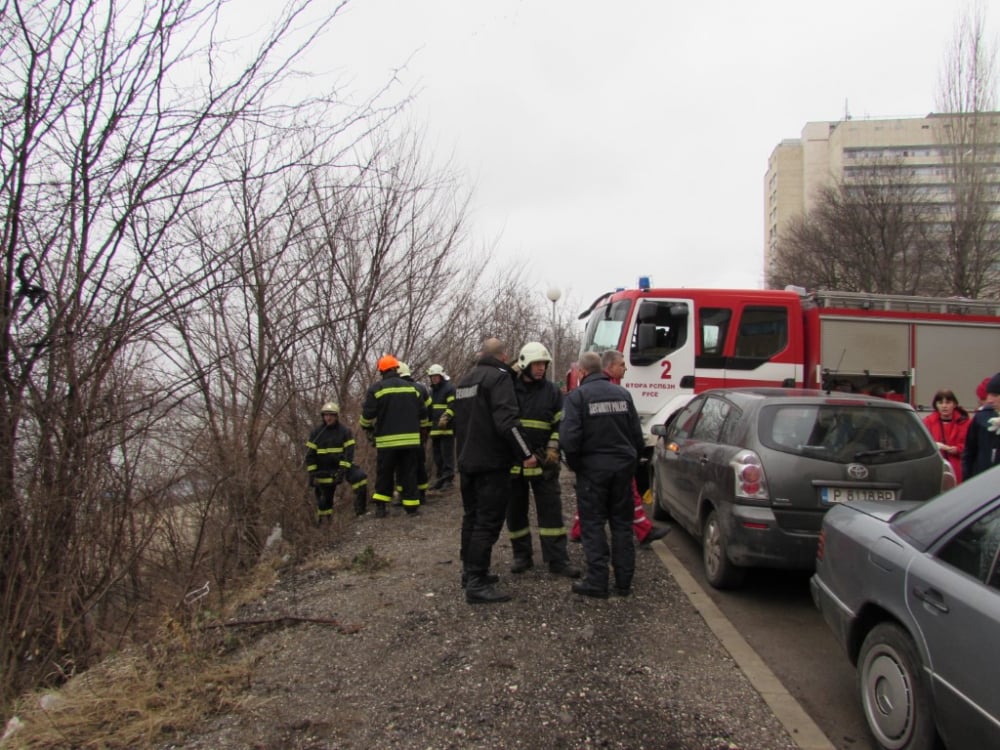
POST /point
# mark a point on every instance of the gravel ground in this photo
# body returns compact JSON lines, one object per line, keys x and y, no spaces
{"x":414,"y":666}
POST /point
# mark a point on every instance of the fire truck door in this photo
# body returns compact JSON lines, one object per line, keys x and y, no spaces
{"x":762,"y":351}
{"x":661,"y":355}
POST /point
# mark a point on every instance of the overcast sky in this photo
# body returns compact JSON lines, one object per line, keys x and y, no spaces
{"x":611,"y":140}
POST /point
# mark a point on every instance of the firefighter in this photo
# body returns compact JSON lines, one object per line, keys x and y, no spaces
{"x":540,"y":409}
{"x":442,"y":435}
{"x":425,"y":426}
{"x":602,"y":438}
{"x":392,"y":413}
{"x":329,"y":460}
{"x":488,"y":439}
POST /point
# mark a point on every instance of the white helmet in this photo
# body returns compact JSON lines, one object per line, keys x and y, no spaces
{"x":403,"y":370}
{"x":330,"y":407}
{"x":436,"y":370}
{"x":533,"y":351}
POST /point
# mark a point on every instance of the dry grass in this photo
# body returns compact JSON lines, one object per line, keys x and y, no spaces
{"x":144,"y":696}
{"x":134,"y":699}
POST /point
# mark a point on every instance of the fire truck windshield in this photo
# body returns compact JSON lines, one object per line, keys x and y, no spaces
{"x":604,"y":328}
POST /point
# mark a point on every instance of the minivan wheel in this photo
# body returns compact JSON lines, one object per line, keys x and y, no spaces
{"x":657,"y":511}
{"x":719,"y":570}
{"x":894,"y":695}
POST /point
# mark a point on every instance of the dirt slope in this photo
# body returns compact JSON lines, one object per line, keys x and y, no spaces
{"x":411,"y":665}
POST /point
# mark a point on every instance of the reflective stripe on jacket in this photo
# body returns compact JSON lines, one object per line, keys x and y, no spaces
{"x":329,"y":449}
{"x":394,"y":411}
{"x":442,"y":398}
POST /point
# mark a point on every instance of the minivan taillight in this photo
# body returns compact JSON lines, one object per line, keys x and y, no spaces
{"x":750,"y":482}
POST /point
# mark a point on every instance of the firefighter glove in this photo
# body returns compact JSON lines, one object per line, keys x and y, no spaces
{"x":443,"y":422}
{"x":552,"y":454}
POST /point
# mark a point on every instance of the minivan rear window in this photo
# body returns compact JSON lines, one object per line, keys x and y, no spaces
{"x":844,"y":433}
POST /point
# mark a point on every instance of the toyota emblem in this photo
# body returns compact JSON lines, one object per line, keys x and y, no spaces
{"x":857,"y":471}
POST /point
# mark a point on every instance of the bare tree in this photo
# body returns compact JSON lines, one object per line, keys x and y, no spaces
{"x":866,"y":233}
{"x":968,"y":132}
{"x":105,"y":147}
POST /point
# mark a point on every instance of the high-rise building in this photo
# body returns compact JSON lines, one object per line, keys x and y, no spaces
{"x":928,"y":152}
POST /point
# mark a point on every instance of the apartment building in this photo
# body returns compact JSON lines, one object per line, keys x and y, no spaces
{"x":925,"y":149}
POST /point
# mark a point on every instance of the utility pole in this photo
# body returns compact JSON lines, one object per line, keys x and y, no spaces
{"x":554,"y":294}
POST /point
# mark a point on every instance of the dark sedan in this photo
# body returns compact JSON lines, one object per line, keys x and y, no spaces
{"x":912,"y":591}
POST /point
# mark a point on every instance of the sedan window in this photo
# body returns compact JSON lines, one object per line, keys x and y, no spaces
{"x":974,"y":549}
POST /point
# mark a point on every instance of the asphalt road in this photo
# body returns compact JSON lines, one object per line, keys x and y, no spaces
{"x":775,"y":613}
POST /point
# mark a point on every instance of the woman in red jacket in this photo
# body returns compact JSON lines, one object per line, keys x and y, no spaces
{"x":948,"y":425}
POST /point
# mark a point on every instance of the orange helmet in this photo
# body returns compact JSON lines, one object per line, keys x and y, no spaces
{"x":387,"y":362}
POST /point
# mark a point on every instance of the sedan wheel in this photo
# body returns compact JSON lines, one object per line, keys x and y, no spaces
{"x":894,"y":696}
{"x":719,"y":571}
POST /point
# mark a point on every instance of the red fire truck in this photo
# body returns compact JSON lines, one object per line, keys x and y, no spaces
{"x":678,"y":342}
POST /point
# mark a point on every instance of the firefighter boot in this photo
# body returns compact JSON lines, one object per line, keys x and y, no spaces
{"x":490,"y":578}
{"x":479,"y":591}
{"x":520,"y":546}
{"x":360,"y":501}
{"x":555,"y":551}
{"x":381,"y":509}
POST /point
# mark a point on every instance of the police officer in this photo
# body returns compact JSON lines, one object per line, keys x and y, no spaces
{"x":330,"y":459}
{"x":540,"y":409}
{"x":392,"y":413}
{"x":602,"y":439}
{"x":488,"y":440}
{"x":442,"y":435}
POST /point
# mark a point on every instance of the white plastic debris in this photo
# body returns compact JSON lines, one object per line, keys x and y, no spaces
{"x":274,"y":538}
{"x":13,"y":726}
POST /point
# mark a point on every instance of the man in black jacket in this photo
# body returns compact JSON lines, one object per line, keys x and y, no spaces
{"x":602,"y":438}
{"x":489,"y":441}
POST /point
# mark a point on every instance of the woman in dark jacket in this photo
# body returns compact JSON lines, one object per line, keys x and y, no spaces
{"x":982,"y":442}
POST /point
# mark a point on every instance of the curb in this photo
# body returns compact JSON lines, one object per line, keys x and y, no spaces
{"x":800,"y":727}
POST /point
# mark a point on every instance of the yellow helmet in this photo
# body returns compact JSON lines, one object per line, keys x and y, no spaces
{"x":330,"y":407}
{"x":403,"y":370}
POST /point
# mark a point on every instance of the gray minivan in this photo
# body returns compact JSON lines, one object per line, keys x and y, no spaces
{"x":751,"y":471}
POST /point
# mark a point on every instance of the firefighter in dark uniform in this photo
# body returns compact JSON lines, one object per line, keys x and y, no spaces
{"x":330,"y":460}
{"x":425,"y":426}
{"x":442,"y":435}
{"x":540,"y":408}
{"x":602,"y":438}
{"x":392,"y":413}
{"x":488,"y":440}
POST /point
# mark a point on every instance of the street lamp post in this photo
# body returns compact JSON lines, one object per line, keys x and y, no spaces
{"x":554,"y":294}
